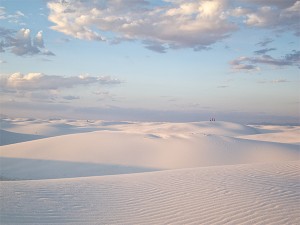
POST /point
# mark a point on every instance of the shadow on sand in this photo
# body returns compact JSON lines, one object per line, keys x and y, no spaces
{"x":35,"y":169}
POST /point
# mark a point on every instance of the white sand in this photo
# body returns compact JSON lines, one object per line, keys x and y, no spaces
{"x":215,"y":175}
{"x":281,"y":134}
{"x":240,"y":194}
{"x":7,"y":137}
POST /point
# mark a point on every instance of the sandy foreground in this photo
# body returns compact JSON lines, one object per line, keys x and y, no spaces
{"x":99,"y":172}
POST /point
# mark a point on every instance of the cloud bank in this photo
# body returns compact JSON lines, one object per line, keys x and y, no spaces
{"x":38,"y":87}
{"x":170,"y":23}
{"x":174,"y":24}
{"x":40,"y":81}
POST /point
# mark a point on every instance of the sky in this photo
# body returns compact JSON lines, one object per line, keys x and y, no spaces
{"x":159,"y":60}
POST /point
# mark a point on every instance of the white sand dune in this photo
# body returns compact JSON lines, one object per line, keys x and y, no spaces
{"x":57,"y":127}
{"x":81,"y":172}
{"x":136,"y":150}
{"x":239,"y":194}
{"x":48,"y":128}
{"x":281,"y":134}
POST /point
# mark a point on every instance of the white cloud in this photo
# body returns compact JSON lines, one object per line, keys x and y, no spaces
{"x":38,"y":87}
{"x":13,"y":17}
{"x":38,"y":40}
{"x":21,"y":43}
{"x":19,"y":13}
{"x":263,"y":17}
{"x":39,"y":81}
{"x":272,"y":14}
{"x":172,"y":24}
{"x":2,"y":13}
{"x":239,"y":11}
{"x":192,"y":24}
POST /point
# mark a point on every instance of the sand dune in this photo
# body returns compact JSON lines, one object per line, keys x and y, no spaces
{"x":57,"y":127}
{"x":239,"y":194}
{"x":107,"y":172}
{"x":48,"y":128}
{"x":281,"y":134}
{"x":137,"y":150}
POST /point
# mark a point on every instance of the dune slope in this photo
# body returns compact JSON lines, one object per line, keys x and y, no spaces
{"x":7,"y":137}
{"x":140,"y":151}
{"x":281,"y":134}
{"x":239,"y":194}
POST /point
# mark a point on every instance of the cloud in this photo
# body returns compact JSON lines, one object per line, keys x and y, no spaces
{"x":223,"y":86}
{"x":173,"y":24}
{"x":12,"y":18}
{"x":105,"y":95}
{"x":264,"y":51}
{"x":271,"y":14}
{"x":70,"y":97}
{"x":292,"y":59}
{"x":248,"y":63}
{"x":279,"y":81}
{"x":38,"y":87}
{"x":2,"y":13}
{"x":239,"y":64}
{"x":21,"y":43}
{"x":170,"y":24}
{"x":41,"y":96}
{"x":265,"y":42}
{"x":63,"y":40}
{"x":101,"y":93}
{"x":267,"y":59}
{"x":39,"y":81}
{"x":38,"y":40}
{"x":19,"y":13}
{"x":273,"y":81}
{"x":155,"y":47}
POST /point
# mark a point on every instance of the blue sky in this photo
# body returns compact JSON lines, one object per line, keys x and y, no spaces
{"x":169,"y":60}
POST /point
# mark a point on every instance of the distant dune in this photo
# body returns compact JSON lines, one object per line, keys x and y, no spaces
{"x":281,"y":134}
{"x":217,"y":173}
